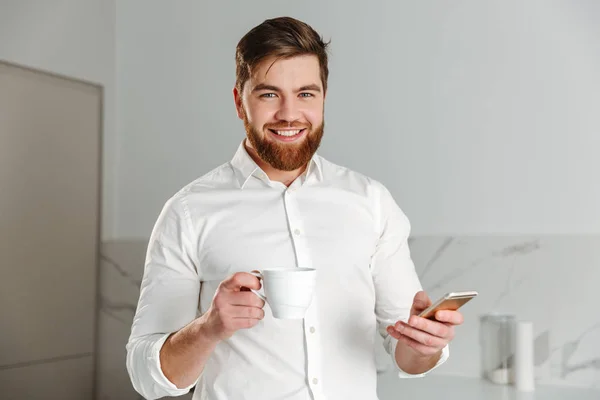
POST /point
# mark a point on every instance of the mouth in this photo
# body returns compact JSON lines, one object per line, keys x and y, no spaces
{"x":287,"y":135}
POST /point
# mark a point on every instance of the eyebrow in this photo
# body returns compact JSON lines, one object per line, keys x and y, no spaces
{"x":263,"y":86}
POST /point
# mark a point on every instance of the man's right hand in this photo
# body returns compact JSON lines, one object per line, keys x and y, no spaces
{"x":185,"y":352}
{"x":233,"y":308}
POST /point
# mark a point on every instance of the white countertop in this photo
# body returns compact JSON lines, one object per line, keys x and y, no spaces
{"x":437,"y":387}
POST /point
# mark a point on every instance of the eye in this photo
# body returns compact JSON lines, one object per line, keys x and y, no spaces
{"x":268,"y":95}
{"x":306,"y":94}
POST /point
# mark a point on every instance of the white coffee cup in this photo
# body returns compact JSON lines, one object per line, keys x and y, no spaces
{"x":288,"y":291}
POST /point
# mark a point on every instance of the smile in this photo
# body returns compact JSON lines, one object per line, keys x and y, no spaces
{"x":287,"y":133}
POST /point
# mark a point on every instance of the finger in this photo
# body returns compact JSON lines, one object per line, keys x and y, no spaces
{"x":421,"y":301}
{"x":241,"y":279}
{"x":435,"y":328}
{"x":245,"y":323}
{"x":450,"y":317}
{"x":418,"y":347}
{"x":393,"y":332}
{"x":245,"y":312}
{"x":420,"y":336}
{"x":247,"y":299}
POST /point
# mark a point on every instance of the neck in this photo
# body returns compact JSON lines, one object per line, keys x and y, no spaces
{"x":277,"y":175}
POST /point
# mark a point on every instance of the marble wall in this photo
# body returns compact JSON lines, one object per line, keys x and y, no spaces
{"x":122,"y":266}
{"x":550,"y":280}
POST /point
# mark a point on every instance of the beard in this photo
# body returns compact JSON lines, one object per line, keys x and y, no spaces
{"x":285,"y":156}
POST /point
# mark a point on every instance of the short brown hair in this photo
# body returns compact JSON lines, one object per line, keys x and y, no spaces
{"x":282,"y":37}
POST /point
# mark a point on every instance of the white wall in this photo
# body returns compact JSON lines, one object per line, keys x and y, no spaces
{"x":75,"y":38}
{"x":481,"y":117}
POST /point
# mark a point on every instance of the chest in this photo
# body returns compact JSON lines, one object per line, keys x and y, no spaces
{"x":327,"y":229}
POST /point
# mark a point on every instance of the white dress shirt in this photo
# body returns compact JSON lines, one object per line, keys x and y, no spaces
{"x":345,"y":225}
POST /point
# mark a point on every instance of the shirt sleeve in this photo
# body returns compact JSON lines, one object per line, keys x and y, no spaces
{"x":394,"y":275}
{"x":168,"y":300}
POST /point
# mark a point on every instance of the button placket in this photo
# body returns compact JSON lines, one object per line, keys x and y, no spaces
{"x":313,"y":350}
{"x":297,"y":231}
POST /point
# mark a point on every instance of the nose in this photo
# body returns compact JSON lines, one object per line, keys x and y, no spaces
{"x":288,"y":111}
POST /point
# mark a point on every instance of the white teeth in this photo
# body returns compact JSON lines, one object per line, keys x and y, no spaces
{"x":288,"y":133}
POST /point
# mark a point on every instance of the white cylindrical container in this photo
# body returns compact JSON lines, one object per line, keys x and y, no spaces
{"x":524,"y":368}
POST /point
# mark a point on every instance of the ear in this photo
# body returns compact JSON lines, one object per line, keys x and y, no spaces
{"x":237,"y":99}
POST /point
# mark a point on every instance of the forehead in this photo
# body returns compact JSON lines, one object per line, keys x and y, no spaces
{"x":298,"y":70}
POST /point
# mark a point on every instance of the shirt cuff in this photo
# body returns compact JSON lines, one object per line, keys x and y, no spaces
{"x":157,"y":372}
{"x":404,"y":374}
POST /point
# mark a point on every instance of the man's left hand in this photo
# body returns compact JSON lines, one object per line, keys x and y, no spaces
{"x":426,"y":337}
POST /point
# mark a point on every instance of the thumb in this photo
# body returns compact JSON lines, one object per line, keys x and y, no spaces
{"x":241,"y":279}
{"x":420,"y":302}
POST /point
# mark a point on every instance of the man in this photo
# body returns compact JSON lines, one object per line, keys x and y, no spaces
{"x":277,"y":203}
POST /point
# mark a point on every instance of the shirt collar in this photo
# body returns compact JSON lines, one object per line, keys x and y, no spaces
{"x":244,"y":166}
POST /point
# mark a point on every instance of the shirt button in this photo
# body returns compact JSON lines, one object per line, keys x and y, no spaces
{"x":312,"y":329}
{"x":297,"y":232}
{"x":315,"y":381}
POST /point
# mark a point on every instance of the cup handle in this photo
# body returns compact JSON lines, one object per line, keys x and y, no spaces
{"x":259,"y":276}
